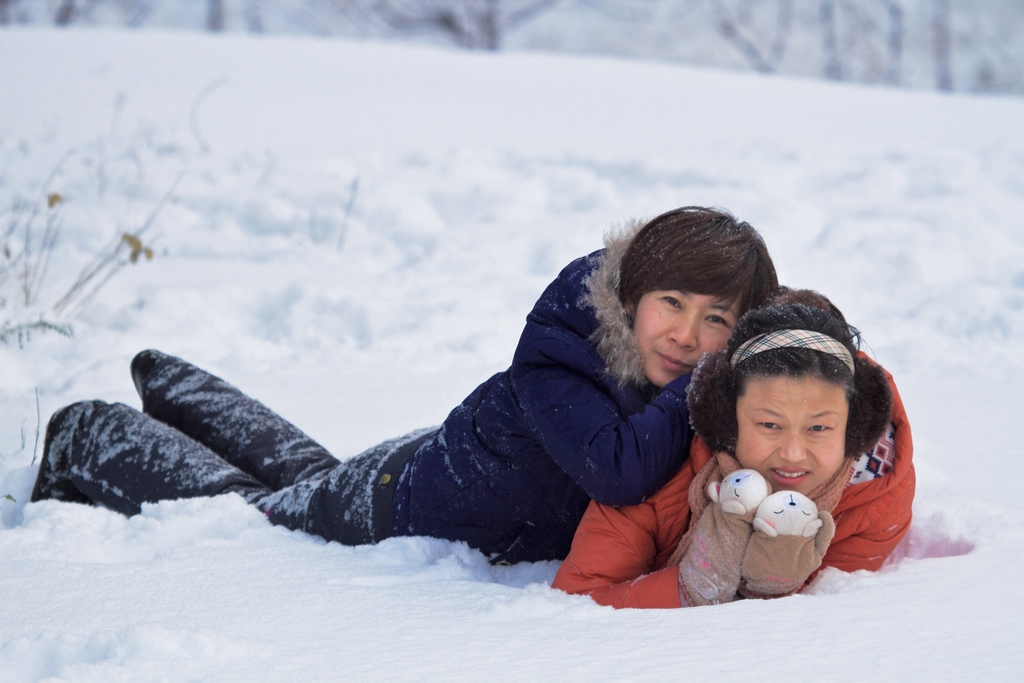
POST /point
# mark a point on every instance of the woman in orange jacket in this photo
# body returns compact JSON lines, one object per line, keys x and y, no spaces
{"x":792,"y":399}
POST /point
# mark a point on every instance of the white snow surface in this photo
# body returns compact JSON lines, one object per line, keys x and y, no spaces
{"x":479,"y":177}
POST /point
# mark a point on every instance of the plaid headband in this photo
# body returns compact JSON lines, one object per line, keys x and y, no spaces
{"x":794,"y":339}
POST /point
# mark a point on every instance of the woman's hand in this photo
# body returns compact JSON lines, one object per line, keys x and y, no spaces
{"x":709,"y":573}
{"x":778,"y":565}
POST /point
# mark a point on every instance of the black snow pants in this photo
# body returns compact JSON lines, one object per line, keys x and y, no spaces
{"x":199,"y":436}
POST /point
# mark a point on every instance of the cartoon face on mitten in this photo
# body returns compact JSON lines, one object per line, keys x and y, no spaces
{"x":787,"y":513}
{"x":741,"y":492}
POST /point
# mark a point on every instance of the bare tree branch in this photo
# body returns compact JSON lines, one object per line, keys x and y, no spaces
{"x":430,"y":18}
{"x":253,"y":17}
{"x":343,"y":231}
{"x":215,"y":15}
{"x":524,"y":14}
{"x":35,"y":447}
{"x":193,"y":111}
{"x":894,"y":66}
{"x":472,"y":24}
{"x":728,"y":29}
{"x":833,"y":67}
{"x":620,"y":10}
{"x":23,"y":331}
{"x":110,"y":259}
{"x":65,"y":12}
{"x":783,"y":24}
{"x":942,"y":44}
{"x":490,"y":25}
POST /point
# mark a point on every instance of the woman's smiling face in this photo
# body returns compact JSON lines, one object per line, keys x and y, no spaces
{"x":675,"y":329}
{"x":792,"y":431}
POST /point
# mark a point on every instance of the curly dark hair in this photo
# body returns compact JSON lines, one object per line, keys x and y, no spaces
{"x":716,"y":385}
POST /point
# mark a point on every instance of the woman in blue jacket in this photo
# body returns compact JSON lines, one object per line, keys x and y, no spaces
{"x":592,"y":406}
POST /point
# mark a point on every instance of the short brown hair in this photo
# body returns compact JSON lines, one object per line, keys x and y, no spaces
{"x":698,"y":250}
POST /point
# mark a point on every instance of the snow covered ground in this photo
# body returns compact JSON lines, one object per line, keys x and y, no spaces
{"x":356,"y":234}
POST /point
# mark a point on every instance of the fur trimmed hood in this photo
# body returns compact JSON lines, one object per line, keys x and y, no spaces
{"x":614,"y":338}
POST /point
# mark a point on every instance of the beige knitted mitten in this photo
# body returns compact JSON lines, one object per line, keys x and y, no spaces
{"x":709,"y":573}
{"x":779,"y":565}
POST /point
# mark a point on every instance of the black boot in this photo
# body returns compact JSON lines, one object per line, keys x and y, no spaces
{"x":54,"y":481}
{"x":141,"y":366}
{"x":117,"y":457}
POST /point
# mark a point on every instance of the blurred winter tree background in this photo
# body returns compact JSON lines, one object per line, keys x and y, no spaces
{"x":954,"y":45}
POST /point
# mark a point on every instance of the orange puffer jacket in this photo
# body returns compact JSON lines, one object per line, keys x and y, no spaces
{"x":618,"y":555}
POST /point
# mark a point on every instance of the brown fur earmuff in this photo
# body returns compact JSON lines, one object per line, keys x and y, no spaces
{"x":870,"y":407}
{"x":715,"y":386}
{"x":712,"y":402}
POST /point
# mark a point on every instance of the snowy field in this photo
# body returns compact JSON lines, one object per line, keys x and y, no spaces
{"x":354,"y":234}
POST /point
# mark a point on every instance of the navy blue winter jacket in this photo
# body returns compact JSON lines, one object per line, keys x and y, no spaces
{"x":512,"y":469}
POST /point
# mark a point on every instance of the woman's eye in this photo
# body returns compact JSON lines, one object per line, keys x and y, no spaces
{"x":672,"y":301}
{"x":718,"y":320}
{"x":769,"y":425}
{"x":819,"y":428}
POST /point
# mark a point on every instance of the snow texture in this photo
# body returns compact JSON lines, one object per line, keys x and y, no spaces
{"x":356,"y":237}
